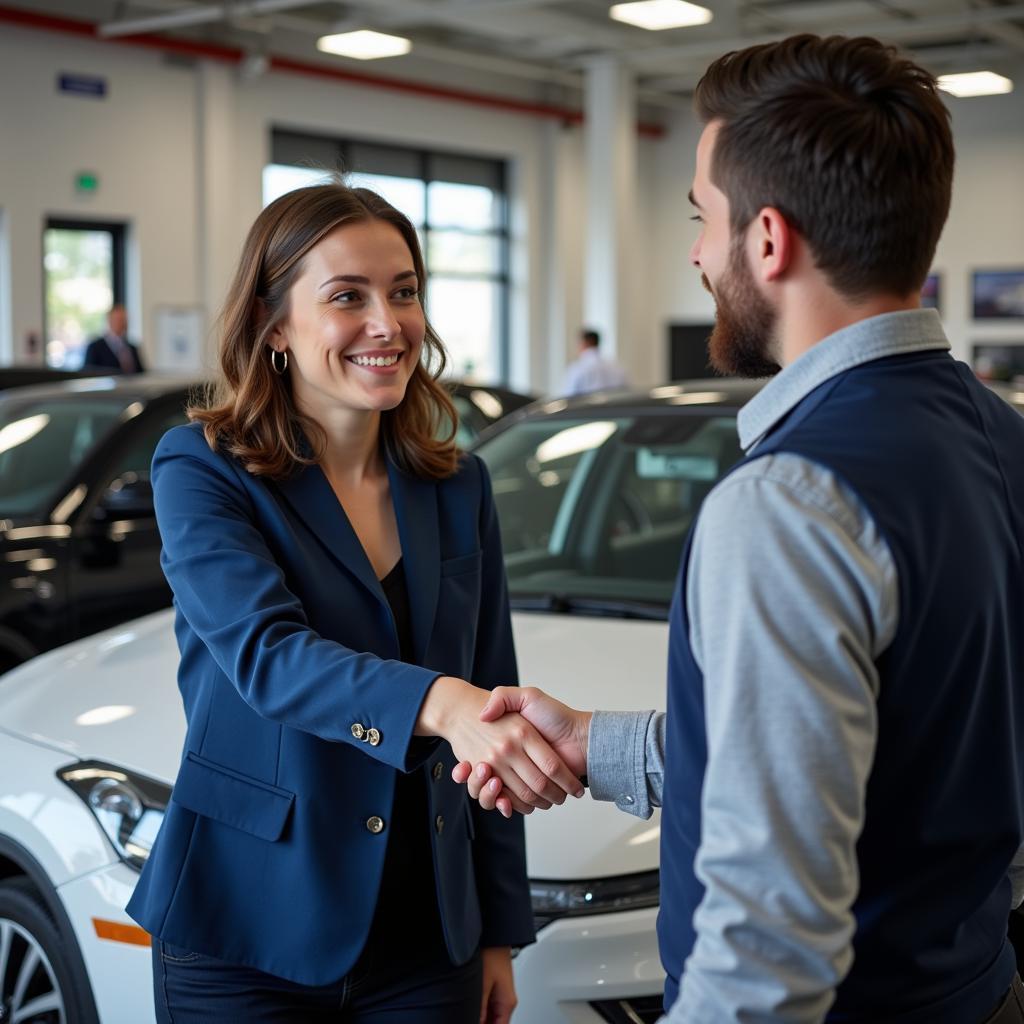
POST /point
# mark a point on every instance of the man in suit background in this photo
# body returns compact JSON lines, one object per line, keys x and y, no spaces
{"x":113,"y":350}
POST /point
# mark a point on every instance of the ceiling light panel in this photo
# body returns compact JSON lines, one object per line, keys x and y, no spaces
{"x":975,"y":83}
{"x":364,"y":45}
{"x":657,"y":15}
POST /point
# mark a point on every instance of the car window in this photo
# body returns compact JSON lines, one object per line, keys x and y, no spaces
{"x":600,"y":508}
{"x":135,"y":461}
{"x":42,"y":441}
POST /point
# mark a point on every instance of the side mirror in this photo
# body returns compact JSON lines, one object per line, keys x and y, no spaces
{"x":129,"y":496}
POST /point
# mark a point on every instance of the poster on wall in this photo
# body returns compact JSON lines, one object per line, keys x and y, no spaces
{"x":998,"y":294}
{"x":179,"y":338}
{"x":998,"y":360}
{"x":931,"y":292}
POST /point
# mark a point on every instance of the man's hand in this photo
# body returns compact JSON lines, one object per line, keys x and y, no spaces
{"x":565,"y":729}
{"x":532,"y":774}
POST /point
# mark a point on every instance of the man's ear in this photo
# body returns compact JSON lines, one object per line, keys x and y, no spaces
{"x":771,"y":244}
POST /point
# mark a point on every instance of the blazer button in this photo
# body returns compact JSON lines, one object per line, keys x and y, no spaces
{"x":375,"y":824}
{"x":439,"y":824}
{"x":358,"y":731}
{"x":438,"y":771}
{"x":373,"y":735}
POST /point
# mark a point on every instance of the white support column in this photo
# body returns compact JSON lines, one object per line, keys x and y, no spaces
{"x":611,"y":154}
{"x":216,"y":191}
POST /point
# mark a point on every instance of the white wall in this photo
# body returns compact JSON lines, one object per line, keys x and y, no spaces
{"x":141,"y":142}
{"x":985,"y":227}
{"x":180,"y":150}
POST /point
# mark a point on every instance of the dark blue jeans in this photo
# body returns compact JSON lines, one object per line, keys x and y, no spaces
{"x":191,"y":988}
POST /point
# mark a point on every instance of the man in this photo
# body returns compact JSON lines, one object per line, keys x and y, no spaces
{"x":838,"y":768}
{"x":113,"y":350}
{"x":590,"y":371}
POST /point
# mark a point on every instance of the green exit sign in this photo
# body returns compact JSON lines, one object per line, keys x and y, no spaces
{"x":87,"y":181}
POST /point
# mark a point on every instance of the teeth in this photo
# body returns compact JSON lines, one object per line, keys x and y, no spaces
{"x":375,"y":360}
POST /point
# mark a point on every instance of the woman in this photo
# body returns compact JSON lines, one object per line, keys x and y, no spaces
{"x":337,"y":575}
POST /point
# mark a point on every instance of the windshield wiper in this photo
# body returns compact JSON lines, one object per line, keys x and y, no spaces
{"x":563,"y":604}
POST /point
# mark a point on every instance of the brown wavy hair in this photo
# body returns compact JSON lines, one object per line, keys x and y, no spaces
{"x":250,"y":412}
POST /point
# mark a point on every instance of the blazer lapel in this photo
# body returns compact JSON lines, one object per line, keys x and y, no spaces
{"x":316,"y":504}
{"x":416,"y":510}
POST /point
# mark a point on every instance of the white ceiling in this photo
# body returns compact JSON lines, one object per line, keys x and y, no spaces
{"x":549,"y":42}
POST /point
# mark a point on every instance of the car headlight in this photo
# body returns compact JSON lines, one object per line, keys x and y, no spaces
{"x":129,"y":807}
{"x":552,"y":900}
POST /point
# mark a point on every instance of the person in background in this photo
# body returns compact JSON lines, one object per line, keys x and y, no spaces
{"x":840,"y":767}
{"x":590,"y":371}
{"x":112,"y":350}
{"x":339,"y":588}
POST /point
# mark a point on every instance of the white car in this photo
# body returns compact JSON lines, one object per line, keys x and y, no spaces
{"x":595,"y":497}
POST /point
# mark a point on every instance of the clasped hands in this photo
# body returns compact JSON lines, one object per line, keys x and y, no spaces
{"x":518,"y":749}
{"x":564,"y":729}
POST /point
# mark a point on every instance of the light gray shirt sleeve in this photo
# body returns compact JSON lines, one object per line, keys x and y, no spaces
{"x":626,"y":759}
{"x":792,"y":596}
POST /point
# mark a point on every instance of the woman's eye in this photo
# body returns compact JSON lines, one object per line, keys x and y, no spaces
{"x":349,"y":296}
{"x":697,"y":217}
{"x":405,"y":293}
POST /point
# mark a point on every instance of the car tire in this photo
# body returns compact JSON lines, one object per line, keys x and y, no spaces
{"x":35,"y":962}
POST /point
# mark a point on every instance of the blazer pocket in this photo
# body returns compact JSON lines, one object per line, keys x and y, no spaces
{"x":232,"y":798}
{"x":462,"y":564}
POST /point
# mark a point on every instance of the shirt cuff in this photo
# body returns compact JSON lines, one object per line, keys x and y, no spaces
{"x":616,"y":759}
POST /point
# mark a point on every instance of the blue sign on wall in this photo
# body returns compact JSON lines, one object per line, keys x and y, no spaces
{"x":83,"y":85}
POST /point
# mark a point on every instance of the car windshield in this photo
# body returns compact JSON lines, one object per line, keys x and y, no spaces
{"x":43,"y":439}
{"x":594,"y":512}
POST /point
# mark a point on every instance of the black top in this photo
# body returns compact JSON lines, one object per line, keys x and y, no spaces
{"x":407,"y":922}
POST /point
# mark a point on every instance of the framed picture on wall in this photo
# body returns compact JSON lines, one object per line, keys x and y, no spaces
{"x":998,"y":360}
{"x":998,"y":294}
{"x":931,"y":293}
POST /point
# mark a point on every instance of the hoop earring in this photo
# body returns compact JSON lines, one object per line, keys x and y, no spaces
{"x":279,"y":370}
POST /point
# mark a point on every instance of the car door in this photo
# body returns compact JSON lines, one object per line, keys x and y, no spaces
{"x":115,"y":569}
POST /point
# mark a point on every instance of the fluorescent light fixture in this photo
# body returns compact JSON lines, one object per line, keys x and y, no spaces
{"x":364,"y":45}
{"x":975,"y":83}
{"x":656,"y":15}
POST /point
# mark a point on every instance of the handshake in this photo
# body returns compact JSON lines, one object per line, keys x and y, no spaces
{"x":565,"y":732}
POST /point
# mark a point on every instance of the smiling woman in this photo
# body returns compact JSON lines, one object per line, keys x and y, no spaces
{"x":321,"y":264}
{"x":341,"y":614}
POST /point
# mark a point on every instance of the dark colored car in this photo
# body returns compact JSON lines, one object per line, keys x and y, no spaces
{"x":79,"y":548}
{"x":23,"y":376}
{"x":480,"y":405}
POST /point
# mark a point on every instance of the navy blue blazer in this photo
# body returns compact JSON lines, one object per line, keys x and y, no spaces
{"x":271,"y":851}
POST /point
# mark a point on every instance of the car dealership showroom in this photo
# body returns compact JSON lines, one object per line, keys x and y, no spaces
{"x":362,"y":361}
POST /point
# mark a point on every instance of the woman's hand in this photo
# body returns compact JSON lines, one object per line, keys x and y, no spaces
{"x":532,"y":774}
{"x":499,"y":995}
{"x":565,"y":728}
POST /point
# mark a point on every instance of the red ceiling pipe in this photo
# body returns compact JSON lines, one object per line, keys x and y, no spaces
{"x":230,"y":54}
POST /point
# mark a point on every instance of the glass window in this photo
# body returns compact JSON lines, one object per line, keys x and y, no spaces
{"x":41,"y":443}
{"x":466,"y":313}
{"x":83,"y":274}
{"x":599,"y":509}
{"x":279,"y":179}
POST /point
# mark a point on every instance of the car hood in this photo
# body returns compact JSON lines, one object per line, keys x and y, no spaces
{"x":113,"y":697}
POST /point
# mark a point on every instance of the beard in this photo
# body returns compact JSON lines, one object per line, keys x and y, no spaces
{"x":744,"y":333}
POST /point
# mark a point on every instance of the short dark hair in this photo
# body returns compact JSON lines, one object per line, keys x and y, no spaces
{"x":590,"y":337}
{"x":848,"y":140}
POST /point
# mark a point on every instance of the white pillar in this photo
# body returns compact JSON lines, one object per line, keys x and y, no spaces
{"x":611,"y":154}
{"x":216,"y":191}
